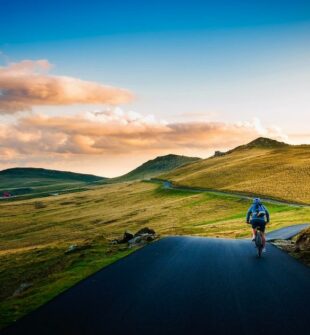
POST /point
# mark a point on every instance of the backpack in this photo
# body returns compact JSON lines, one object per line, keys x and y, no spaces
{"x":260,"y":211}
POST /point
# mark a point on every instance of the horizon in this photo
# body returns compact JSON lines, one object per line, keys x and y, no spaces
{"x":202,"y":158}
{"x":100,"y":88}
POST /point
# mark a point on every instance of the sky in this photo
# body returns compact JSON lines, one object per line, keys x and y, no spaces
{"x":100,"y":86}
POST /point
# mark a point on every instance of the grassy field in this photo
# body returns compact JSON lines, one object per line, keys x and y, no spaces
{"x":35,"y":233}
{"x":281,"y":172}
{"x":29,"y":181}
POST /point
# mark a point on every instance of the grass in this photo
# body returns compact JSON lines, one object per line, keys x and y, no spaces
{"x":29,"y":182}
{"x":35,"y":233}
{"x":50,"y":272}
{"x":33,"y":181}
{"x":154,"y":167}
{"x":281,"y":172}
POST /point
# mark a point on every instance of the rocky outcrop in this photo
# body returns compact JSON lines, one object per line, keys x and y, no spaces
{"x":218,"y":153}
{"x":141,"y":237}
{"x":144,"y":231}
{"x":126,"y":237}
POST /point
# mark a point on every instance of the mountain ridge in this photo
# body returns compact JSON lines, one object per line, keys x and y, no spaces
{"x":154,"y":167}
{"x":263,"y":142}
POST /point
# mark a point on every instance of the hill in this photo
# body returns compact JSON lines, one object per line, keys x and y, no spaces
{"x":155,"y":167}
{"x":21,"y":181}
{"x":262,"y":142}
{"x":262,"y":167}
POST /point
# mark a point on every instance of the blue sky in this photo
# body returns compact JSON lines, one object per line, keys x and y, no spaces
{"x":37,"y":21}
{"x":184,"y":61}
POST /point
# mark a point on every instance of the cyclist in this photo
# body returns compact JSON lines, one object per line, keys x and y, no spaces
{"x":258,"y":216}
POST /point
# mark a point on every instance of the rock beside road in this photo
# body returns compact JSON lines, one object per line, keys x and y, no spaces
{"x":298,"y":247}
{"x":126,"y":237}
{"x":303,"y":241}
{"x":144,"y":231}
{"x":141,"y":237}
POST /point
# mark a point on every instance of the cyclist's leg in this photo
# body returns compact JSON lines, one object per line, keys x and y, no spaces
{"x":263,"y":234}
{"x":252,"y":222}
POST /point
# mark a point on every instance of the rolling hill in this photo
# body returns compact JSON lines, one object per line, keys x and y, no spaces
{"x":21,"y":181}
{"x":262,"y":167}
{"x":155,"y":167}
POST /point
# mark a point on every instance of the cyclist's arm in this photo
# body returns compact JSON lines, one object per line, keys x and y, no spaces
{"x":248,"y":215}
{"x":267,"y":215}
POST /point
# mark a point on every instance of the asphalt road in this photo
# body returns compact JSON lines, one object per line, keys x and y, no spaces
{"x":184,"y":285}
{"x":286,"y":232}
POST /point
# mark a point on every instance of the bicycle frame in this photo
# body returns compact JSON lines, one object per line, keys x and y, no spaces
{"x":258,"y":241}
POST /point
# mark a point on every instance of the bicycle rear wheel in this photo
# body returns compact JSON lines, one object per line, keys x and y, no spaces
{"x":259,"y":251}
{"x":259,"y":243}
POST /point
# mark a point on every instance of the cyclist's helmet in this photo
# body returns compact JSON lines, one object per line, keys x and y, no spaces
{"x":256,"y":201}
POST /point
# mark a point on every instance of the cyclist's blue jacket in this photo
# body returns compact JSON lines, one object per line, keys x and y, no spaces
{"x":252,"y":214}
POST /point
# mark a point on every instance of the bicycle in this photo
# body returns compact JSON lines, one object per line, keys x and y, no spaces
{"x":258,"y":241}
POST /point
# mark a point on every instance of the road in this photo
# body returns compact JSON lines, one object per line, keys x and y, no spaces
{"x":168,"y":185}
{"x":286,"y":232}
{"x":184,"y":285}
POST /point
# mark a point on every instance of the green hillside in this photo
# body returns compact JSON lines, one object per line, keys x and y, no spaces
{"x":263,"y":167}
{"x":22,"y":181}
{"x":30,"y":181}
{"x":154,"y":167}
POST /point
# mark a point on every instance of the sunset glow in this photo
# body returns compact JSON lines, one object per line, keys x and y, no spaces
{"x":104,"y":95}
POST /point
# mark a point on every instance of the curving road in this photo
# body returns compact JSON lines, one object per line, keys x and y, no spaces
{"x":184,"y":285}
{"x":168,"y":185}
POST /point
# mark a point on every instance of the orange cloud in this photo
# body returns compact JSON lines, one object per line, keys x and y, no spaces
{"x":112,"y":141}
{"x":27,"y":84}
{"x":114,"y":132}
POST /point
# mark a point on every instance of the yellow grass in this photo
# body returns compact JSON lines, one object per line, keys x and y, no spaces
{"x":282,"y":173}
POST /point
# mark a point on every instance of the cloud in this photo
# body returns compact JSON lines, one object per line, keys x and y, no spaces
{"x":27,"y":84}
{"x":113,"y":132}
